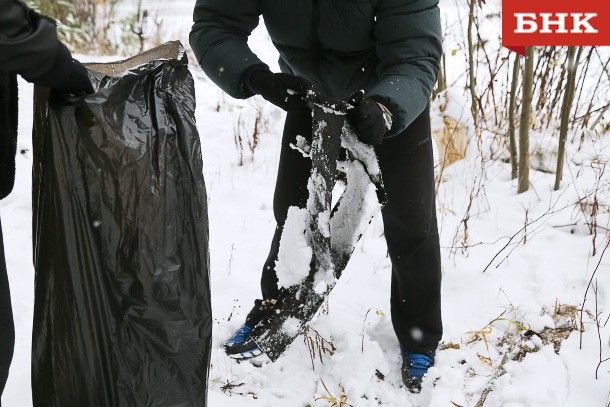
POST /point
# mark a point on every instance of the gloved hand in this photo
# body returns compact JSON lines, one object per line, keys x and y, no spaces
{"x":367,"y":119}
{"x":283,"y":90}
{"x":78,"y":82}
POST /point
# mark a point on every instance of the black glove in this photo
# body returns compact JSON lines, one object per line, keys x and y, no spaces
{"x":78,"y":83}
{"x":283,"y":90}
{"x":367,"y":119}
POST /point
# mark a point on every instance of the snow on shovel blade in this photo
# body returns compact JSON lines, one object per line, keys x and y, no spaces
{"x":330,"y":234}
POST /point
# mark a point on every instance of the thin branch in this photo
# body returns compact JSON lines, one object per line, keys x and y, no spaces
{"x":584,"y":300}
{"x":547,"y":213}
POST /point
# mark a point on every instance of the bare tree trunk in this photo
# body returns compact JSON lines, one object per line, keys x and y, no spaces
{"x":471,"y":65}
{"x":524,"y":125}
{"x":568,"y":98}
{"x":442,"y":76}
{"x":511,"y":117}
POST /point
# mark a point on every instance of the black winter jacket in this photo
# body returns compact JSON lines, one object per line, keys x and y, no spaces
{"x":28,"y":47}
{"x":389,"y":48}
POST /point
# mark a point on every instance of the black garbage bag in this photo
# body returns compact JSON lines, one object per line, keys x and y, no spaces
{"x":122,"y":299}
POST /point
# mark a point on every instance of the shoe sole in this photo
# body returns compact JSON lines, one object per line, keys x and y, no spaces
{"x":246,"y":355}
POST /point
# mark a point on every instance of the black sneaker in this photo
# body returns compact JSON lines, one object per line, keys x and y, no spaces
{"x":414,"y":367}
{"x":242,"y":346}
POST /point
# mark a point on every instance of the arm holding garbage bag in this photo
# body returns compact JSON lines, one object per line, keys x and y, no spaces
{"x":29,"y":47}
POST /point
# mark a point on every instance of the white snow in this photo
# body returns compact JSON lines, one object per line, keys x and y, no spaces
{"x":294,"y":258}
{"x":321,"y":287}
{"x":302,"y":146}
{"x":324,"y":223}
{"x":535,"y":385}
{"x":292,"y":326}
{"x":361,"y":151}
{"x":356,"y":209}
{"x":452,"y":103}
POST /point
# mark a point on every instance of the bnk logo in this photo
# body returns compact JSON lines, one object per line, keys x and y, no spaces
{"x":549,"y":23}
{"x":554,"y":23}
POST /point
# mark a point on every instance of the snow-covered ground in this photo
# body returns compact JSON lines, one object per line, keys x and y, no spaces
{"x":515,"y":275}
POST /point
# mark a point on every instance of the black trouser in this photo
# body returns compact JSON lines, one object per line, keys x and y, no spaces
{"x":409,"y":219}
{"x":7,"y":329}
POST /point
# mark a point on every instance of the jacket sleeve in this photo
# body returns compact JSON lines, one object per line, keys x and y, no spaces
{"x":29,"y":46}
{"x":408,"y":43}
{"x":219,"y":39}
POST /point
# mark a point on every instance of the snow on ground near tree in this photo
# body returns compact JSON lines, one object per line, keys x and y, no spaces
{"x":522,"y":285}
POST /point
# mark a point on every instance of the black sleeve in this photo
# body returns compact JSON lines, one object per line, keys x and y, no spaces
{"x":29,"y":46}
{"x":219,"y":39}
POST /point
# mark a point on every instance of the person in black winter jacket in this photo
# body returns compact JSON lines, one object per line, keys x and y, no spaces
{"x":28,"y":47}
{"x":391,"y":50}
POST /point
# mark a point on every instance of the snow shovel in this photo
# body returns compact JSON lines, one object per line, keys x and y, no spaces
{"x":318,"y":241}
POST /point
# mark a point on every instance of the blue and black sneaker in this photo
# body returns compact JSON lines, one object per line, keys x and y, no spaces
{"x":414,"y":367}
{"x":242,"y":346}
